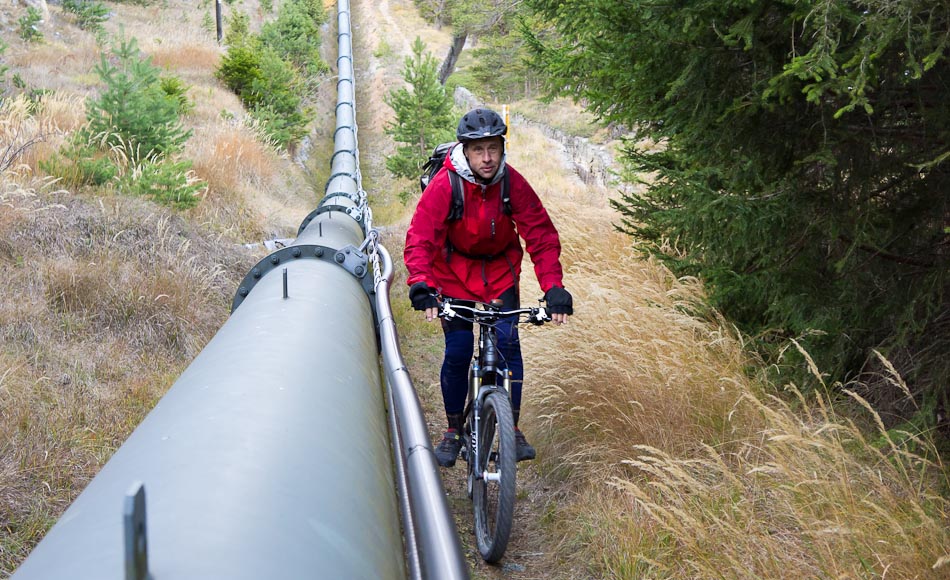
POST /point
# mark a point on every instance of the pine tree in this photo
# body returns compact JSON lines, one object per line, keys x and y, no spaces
{"x":424,"y":114}
{"x":134,"y":112}
{"x":804,"y":166}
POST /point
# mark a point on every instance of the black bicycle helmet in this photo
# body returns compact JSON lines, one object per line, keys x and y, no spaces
{"x":480,"y":123}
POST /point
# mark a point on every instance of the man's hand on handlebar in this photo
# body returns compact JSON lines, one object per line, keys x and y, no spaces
{"x":560,"y":304}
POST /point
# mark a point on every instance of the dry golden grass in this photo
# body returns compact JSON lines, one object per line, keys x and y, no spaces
{"x":193,"y":60}
{"x":563,"y":114}
{"x":63,"y":65}
{"x":30,"y":132}
{"x":243,"y":173}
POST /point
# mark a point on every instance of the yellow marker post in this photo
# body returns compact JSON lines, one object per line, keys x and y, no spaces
{"x":504,"y":114}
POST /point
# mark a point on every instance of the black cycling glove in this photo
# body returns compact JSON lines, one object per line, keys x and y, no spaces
{"x":422,"y":296}
{"x":559,"y":301}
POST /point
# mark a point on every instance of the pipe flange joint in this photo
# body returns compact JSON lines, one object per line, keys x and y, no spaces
{"x":350,"y":258}
{"x":353,"y":212}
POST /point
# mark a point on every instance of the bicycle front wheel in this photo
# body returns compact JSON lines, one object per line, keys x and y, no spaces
{"x":494,"y":488}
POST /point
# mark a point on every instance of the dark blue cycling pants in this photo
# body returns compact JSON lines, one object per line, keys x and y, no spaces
{"x":459,"y":347}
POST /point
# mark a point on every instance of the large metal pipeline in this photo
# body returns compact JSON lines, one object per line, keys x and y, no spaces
{"x":269,"y":457}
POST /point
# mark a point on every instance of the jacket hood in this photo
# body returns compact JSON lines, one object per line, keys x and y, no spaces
{"x":456,"y":161}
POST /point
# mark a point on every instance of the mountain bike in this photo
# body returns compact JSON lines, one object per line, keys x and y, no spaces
{"x":489,"y":432}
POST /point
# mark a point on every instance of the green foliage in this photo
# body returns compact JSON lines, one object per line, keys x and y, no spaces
{"x":384,"y":50}
{"x":3,"y":68}
{"x":276,"y":98}
{"x":295,"y":35}
{"x":500,"y":66}
{"x":208,"y":23}
{"x":267,"y":6}
{"x":176,"y":89}
{"x":490,"y":18}
{"x":269,"y":72}
{"x":269,"y":87}
{"x":89,"y":14}
{"x":802,"y":171}
{"x":133,"y":131}
{"x":238,"y":29}
{"x":80,"y":163}
{"x":424,"y":116}
{"x":134,"y":112}
{"x":435,"y":10}
{"x":165,"y":182}
{"x":240,"y":67}
{"x":29,"y":25}
{"x":481,"y":18}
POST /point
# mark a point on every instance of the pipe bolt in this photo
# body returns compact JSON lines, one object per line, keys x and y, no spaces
{"x":359,"y":271}
{"x":256,"y":272}
{"x":295,"y":252}
{"x":275,"y":260}
{"x":318,"y":252}
{"x":339,"y":257}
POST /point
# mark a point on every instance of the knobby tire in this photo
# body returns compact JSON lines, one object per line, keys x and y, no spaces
{"x":495,"y":500}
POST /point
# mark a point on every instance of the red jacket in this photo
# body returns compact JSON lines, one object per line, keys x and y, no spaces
{"x":478,"y":257}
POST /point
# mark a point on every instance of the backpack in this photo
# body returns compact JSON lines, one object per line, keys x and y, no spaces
{"x":434,"y":164}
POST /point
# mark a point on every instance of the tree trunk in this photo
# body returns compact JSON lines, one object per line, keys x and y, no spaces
{"x":438,"y":15}
{"x":448,"y":65}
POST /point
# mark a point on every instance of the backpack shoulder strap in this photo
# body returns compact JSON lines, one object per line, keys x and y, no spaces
{"x":506,"y":193}
{"x":458,"y":198}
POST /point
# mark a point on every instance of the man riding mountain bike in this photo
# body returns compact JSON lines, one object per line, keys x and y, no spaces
{"x":466,"y":246}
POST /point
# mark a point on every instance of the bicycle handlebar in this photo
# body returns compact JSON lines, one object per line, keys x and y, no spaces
{"x":482,"y":312}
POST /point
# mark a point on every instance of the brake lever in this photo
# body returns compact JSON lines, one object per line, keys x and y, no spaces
{"x":540,"y":317}
{"x":445,"y":308}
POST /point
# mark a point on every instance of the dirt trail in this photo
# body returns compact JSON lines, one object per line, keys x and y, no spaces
{"x":384,"y":29}
{"x":382,"y":7}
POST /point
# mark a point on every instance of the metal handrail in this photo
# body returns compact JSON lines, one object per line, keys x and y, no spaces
{"x":442,"y":555}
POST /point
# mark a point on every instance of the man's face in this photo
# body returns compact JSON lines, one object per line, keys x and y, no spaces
{"x":484,"y":156}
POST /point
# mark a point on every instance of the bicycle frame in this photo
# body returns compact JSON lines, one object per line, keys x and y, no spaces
{"x":484,"y":366}
{"x":487,"y":362}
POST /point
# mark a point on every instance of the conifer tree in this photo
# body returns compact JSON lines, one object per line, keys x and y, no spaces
{"x":804,"y":162}
{"x":424,"y":114}
{"x":134,"y":112}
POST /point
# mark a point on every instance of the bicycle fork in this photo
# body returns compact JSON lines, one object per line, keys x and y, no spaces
{"x":477,"y":395}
